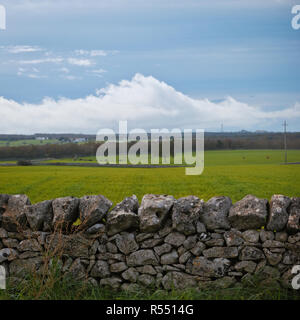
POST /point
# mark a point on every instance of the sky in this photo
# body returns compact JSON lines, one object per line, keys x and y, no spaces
{"x":82,"y":65}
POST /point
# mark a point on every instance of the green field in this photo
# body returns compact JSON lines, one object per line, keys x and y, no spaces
{"x":231,"y":173}
{"x":27,"y":142}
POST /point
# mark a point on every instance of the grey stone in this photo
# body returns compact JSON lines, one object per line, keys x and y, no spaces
{"x":113,"y":283}
{"x":65,"y":211}
{"x":112,"y":248}
{"x":130,"y":274}
{"x":77,"y":270}
{"x":118,"y":267}
{"x":233,"y":238}
{"x":118,"y":221}
{"x":215,"y":243}
{"x":14,"y":217}
{"x":150,"y":243}
{"x":154,"y":210}
{"x":130,"y":204}
{"x":293,"y":224}
{"x":251,"y":253}
{"x":247,"y":266}
{"x":249,"y":213}
{"x":175,"y":239}
{"x":198,"y":249}
{"x":206,"y":268}
{"x":146,"y":280}
{"x":169,"y":258}
{"x":3,"y":233}
{"x":147,"y":270}
{"x":281,"y":236}
{"x":215,"y":213}
{"x":142,"y":257}
{"x":10,"y":243}
{"x":126,"y":243}
{"x":184,"y":257}
{"x":178,"y":280}
{"x":8,"y":254}
{"x":92,"y":209}
{"x":251,"y":236}
{"x":190,"y":242}
{"x":100,"y":270}
{"x":221,"y":252}
{"x":164,"y":248}
{"x":273,"y":258}
{"x":40,"y":216}
{"x":273,"y":244}
{"x":266,"y":235}
{"x":22,"y":268}
{"x":95,"y":229}
{"x":278,"y":216}
{"x":185,"y":214}
{"x":29,"y":245}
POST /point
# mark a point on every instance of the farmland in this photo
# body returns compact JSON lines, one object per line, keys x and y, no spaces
{"x":232,"y":173}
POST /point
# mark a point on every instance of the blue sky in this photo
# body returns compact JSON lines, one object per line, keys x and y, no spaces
{"x":181,"y":61}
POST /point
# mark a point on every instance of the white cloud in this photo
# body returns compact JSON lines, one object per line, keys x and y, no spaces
{"x":145,"y":102}
{"x":80,"y":62}
{"x":22,"y":49}
{"x":92,"y":53}
{"x":39,"y":61}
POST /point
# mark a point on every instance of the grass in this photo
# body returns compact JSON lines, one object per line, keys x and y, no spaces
{"x":64,"y":287}
{"x":26,"y":142}
{"x":231,"y":173}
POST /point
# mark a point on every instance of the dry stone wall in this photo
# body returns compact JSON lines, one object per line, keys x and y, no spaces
{"x":163,"y":242}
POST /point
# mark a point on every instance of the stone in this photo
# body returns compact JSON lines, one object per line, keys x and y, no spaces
{"x":233,"y":238}
{"x":281,"y":236}
{"x":190,"y":242}
{"x":14,"y":217}
{"x":169,"y":258}
{"x":74,"y":245}
{"x":146,"y":280}
{"x":184,"y":257}
{"x":200,"y":228}
{"x":204,"y":267}
{"x":150,"y":243}
{"x":100,"y":269}
{"x":293,"y":224}
{"x":249,"y":213}
{"x":178,"y":280}
{"x":294,"y":238}
{"x":92,"y":209}
{"x":198,"y":249}
{"x":221,"y":252}
{"x":118,"y":267}
{"x":112,"y":283}
{"x":118,"y":221}
{"x":251,"y":236}
{"x":266,"y":235}
{"x":40,"y":216}
{"x":164,"y":248}
{"x":10,"y":243}
{"x":273,"y":258}
{"x":270,"y":272}
{"x":215,"y":214}
{"x":112,"y":248}
{"x":215,"y":243}
{"x":94,"y":248}
{"x":126,"y":243}
{"x":247,"y":266}
{"x":154,"y":210}
{"x":65,"y":211}
{"x":29,"y":254}
{"x":251,"y":253}
{"x":273,"y":244}
{"x":186,"y":213}
{"x":142,"y":257}
{"x":29,"y":245}
{"x":143,"y":236}
{"x":278,"y":216}
{"x":8,"y":254}
{"x":3,"y":233}
{"x":129,"y":204}
{"x":22,"y":268}
{"x":147,"y":270}
{"x":289,"y":258}
{"x":175,"y":239}
{"x":223,"y":283}
{"x":77,"y":270}
{"x":130,"y":274}
{"x":96,"y":229}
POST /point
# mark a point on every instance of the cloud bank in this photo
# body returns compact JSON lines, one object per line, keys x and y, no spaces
{"x":145,"y":102}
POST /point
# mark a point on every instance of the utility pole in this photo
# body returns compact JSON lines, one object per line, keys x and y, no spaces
{"x":285,"y":146}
